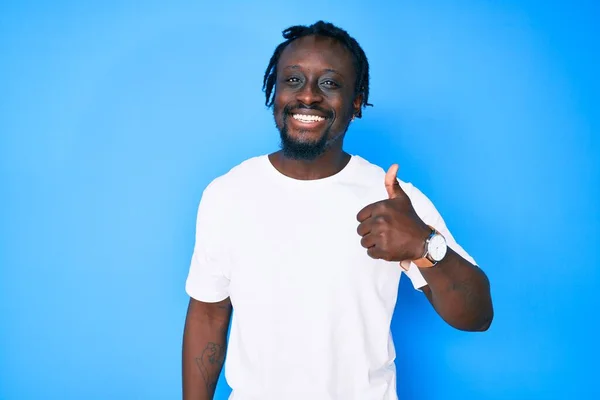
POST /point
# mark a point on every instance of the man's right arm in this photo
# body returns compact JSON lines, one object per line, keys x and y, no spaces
{"x":204,"y":345}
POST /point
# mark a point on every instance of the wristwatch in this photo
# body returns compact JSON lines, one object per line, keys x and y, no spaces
{"x":435,"y":250}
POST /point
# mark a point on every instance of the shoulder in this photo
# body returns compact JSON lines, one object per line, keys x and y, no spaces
{"x":233,"y":183}
{"x":366,"y":169}
{"x":375,"y":174}
{"x":237,"y":177}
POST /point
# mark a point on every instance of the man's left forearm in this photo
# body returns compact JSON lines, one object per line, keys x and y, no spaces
{"x":460,"y":293}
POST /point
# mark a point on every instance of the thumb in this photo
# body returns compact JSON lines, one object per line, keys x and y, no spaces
{"x":391,"y":182}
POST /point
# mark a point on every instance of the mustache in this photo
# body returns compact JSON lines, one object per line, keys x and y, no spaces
{"x":287,"y":110}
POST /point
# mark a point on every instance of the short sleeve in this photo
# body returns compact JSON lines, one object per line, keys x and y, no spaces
{"x":430,"y":215}
{"x":208,"y":279}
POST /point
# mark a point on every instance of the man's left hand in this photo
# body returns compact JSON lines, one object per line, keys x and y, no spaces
{"x":391,"y":230}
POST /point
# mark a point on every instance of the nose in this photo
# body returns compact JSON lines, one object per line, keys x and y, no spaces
{"x":310,"y":94}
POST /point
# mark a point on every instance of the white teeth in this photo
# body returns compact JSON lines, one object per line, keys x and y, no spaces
{"x":307,"y":118}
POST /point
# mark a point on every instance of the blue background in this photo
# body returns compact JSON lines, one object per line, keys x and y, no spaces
{"x":115,"y":115}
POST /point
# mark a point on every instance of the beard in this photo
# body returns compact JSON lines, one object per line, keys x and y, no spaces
{"x":297,"y":149}
{"x":302,"y":150}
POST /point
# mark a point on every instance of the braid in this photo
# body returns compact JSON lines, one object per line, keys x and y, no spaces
{"x":361,"y":64}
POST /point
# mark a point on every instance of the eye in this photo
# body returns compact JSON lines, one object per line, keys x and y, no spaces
{"x":292,"y":79}
{"x":330,"y":83}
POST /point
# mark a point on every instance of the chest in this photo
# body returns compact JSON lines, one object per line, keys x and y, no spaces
{"x":294,"y":245}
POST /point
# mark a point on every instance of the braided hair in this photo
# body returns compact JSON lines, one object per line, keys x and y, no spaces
{"x":320,"y":28}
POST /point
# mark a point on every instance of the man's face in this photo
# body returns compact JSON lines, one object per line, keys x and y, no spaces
{"x":314,"y":95}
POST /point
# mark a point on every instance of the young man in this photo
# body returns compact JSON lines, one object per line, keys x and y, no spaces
{"x":307,"y":245}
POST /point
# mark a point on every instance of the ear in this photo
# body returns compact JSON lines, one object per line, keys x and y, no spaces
{"x":357,"y":105}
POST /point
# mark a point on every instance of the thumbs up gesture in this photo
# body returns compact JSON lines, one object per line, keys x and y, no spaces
{"x":390,"y":229}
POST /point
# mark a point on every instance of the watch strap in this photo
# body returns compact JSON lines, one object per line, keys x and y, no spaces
{"x":425,"y":261}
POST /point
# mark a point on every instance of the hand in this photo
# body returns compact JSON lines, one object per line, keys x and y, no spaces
{"x":391,"y":230}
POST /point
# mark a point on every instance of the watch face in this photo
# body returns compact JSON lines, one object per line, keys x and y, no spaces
{"x":437,"y":247}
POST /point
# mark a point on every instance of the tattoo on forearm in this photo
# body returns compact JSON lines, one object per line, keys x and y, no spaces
{"x":210,"y":362}
{"x":466,"y":287}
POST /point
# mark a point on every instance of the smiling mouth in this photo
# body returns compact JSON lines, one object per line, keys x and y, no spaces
{"x":307,"y":118}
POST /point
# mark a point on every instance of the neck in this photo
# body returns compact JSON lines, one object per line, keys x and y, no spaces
{"x":329,"y":163}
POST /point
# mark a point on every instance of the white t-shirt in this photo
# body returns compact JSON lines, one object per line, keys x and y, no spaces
{"x":311,"y":310}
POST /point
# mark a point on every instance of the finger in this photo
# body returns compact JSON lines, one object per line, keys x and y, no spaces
{"x":405,"y":265}
{"x":365,"y":227}
{"x":365,"y":212}
{"x":368,"y":241}
{"x":374,"y":252}
{"x":392,"y":186}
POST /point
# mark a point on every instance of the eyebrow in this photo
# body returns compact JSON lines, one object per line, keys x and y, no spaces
{"x":296,"y":66}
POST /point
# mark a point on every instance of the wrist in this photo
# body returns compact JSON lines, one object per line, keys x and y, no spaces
{"x":435,"y":249}
{"x":421,"y":247}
